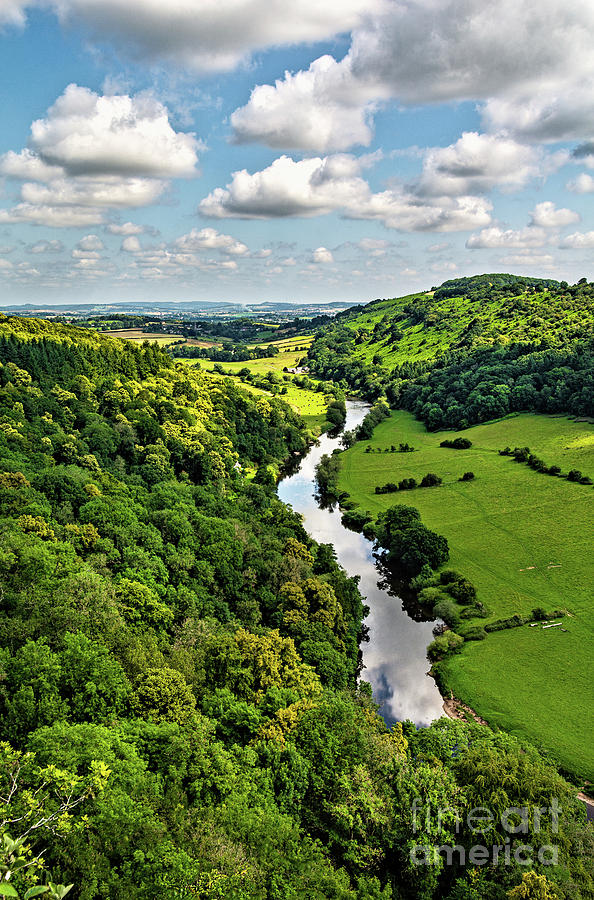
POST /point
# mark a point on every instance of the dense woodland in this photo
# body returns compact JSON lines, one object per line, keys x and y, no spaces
{"x":179,"y":708}
{"x":526,"y":345}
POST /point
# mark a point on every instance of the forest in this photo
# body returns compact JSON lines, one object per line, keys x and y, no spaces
{"x":180,"y":709}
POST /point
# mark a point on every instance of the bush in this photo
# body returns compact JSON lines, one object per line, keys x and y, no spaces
{"x":457,"y":444}
{"x":574,"y":475}
{"x":355,"y":520}
{"x":446,"y":609}
{"x":449,"y":575}
{"x":430,"y":480}
{"x":430,"y":596}
{"x":475,"y":633}
{"x":446,"y":643}
{"x":462,"y":590}
{"x":468,"y":476}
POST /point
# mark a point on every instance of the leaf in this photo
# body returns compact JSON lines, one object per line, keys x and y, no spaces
{"x":36,"y":891}
{"x":7,"y":890}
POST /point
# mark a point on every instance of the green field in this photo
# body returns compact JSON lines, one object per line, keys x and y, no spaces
{"x":524,"y":540}
{"x":285,"y":358}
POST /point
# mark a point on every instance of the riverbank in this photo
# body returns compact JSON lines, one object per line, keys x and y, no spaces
{"x":521,"y":537}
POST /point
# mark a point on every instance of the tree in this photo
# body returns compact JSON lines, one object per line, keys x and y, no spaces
{"x":534,"y":887}
{"x":164,"y":696}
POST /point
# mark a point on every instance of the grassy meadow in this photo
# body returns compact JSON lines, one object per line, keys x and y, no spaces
{"x":524,"y":539}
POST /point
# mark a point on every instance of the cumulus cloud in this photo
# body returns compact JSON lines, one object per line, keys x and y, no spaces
{"x":128,"y":228}
{"x":321,"y":108}
{"x":476,"y":164}
{"x":495,"y":236}
{"x":211,"y":34}
{"x":91,"y":242}
{"x":579,"y":240}
{"x":88,"y":134}
{"x":98,"y":152}
{"x":583,"y":184}
{"x":131,"y":244}
{"x":308,"y":187}
{"x":322,"y":255}
{"x":432,"y":51}
{"x":318,"y":186}
{"x":546,"y":215}
{"x":211,"y":239}
{"x":559,"y":111}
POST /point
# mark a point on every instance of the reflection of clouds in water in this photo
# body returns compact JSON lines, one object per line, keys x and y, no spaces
{"x":395,"y":658}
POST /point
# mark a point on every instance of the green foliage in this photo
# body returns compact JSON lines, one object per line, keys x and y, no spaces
{"x":179,"y":660}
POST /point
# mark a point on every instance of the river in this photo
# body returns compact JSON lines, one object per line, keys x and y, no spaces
{"x":394,"y":659}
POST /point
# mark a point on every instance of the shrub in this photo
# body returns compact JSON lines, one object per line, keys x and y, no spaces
{"x":446,"y":643}
{"x":449,"y":575}
{"x":463,"y":591}
{"x":446,"y":609}
{"x":468,"y":476}
{"x":475,"y":633}
{"x":430,"y":596}
{"x":430,"y":480}
{"x":574,"y":475}
{"x":457,"y":444}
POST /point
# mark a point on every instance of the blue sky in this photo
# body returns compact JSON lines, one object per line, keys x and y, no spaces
{"x":260,"y":150}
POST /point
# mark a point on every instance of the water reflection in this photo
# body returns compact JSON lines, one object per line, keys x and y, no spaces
{"x":395,"y":657}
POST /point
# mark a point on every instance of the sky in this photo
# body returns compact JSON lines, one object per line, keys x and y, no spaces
{"x":252,"y":150}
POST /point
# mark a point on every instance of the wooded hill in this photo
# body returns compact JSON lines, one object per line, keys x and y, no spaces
{"x":471,"y":350}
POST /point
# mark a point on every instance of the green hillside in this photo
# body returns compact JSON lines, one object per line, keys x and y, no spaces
{"x":465,"y":313}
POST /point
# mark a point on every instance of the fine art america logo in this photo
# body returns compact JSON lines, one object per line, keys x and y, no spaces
{"x":512,"y":823}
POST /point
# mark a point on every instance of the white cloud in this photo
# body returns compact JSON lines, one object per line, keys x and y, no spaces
{"x":128,"y":228}
{"x":211,"y":34}
{"x":97,"y":152}
{"x":12,"y":12}
{"x":309,"y":187}
{"x":583,"y":184}
{"x":579,"y":240}
{"x":318,"y":109}
{"x":528,"y":258}
{"x":318,"y":186}
{"x":404,"y":211}
{"x":27,"y":166}
{"x":106,"y":192}
{"x":91,"y":242}
{"x":561,"y":109}
{"x":45,"y":247}
{"x":210,"y":239}
{"x":498,"y":237}
{"x":432,"y":51}
{"x":546,"y":215}
{"x":52,"y":216}
{"x":371,"y":244}
{"x":131,"y":244}
{"x":88,"y":134}
{"x":322,"y":255}
{"x":475,"y":164}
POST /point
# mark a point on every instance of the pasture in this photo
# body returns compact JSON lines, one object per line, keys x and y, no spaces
{"x":524,"y":540}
